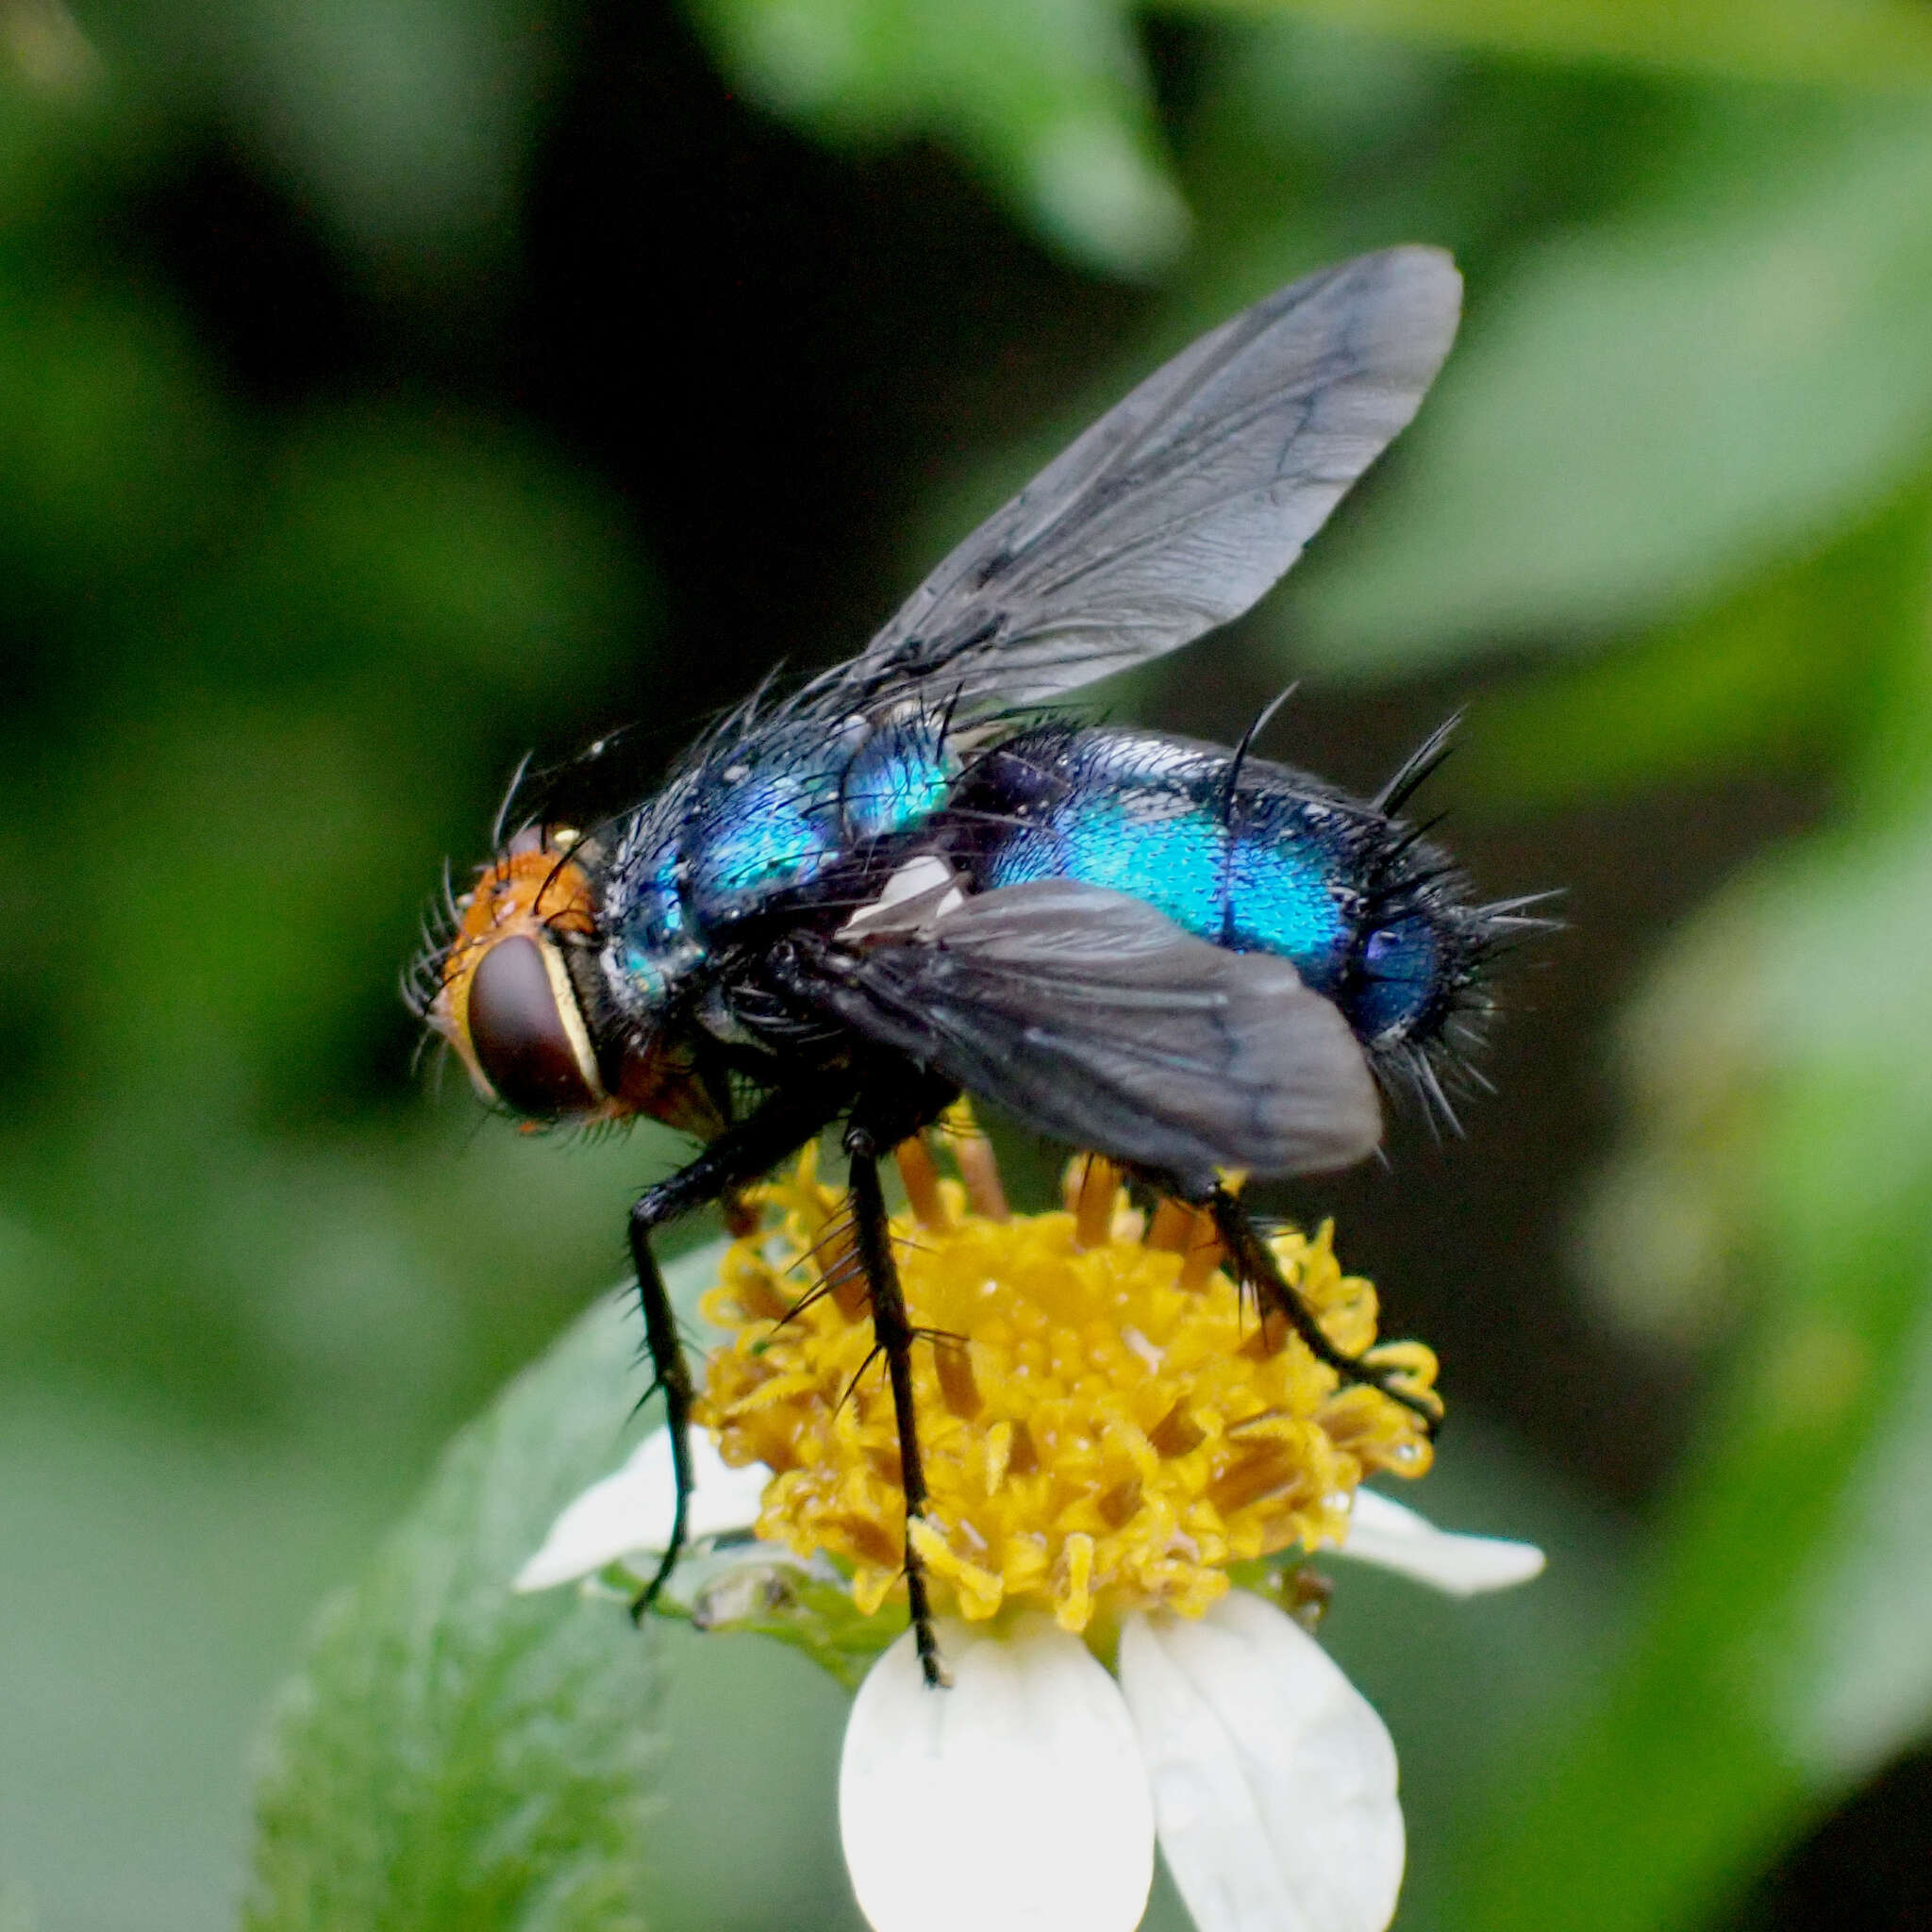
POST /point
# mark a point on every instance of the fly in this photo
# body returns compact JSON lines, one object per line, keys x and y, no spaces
{"x":909,"y":878}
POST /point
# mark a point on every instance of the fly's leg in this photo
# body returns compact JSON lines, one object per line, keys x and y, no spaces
{"x":671,"y":1374}
{"x":1254,"y":1263}
{"x":893,"y":1332}
{"x":732,"y":1162}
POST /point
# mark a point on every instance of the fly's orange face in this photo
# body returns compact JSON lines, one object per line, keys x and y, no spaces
{"x":506,"y":998}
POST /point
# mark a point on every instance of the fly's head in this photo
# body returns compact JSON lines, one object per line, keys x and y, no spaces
{"x":508,"y":990}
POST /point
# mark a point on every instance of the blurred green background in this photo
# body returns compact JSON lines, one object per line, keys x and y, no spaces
{"x":388,"y":389}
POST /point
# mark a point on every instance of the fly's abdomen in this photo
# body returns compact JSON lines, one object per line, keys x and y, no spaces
{"x":1119,"y":809}
{"x":1290,"y":885}
{"x":1256,"y":859}
{"x":1257,"y":869}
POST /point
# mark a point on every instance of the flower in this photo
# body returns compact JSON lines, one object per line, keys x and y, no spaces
{"x":1114,"y":1447}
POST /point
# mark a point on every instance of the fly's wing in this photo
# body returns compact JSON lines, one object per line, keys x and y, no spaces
{"x":1183,"y":504}
{"x":1097,"y":1020}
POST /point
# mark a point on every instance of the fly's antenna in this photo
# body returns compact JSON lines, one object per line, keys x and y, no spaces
{"x":1416,"y":767}
{"x":1254,"y":731}
{"x":510,"y":798}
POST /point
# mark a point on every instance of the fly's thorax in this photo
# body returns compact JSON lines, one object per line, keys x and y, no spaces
{"x":783,"y":809}
{"x":901,"y":773}
{"x":758,"y":821}
{"x":652,"y":944}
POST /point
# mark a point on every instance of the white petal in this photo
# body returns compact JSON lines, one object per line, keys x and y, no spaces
{"x":1273,"y":1780}
{"x":1381,"y":1531}
{"x":1015,"y":1799}
{"x":630,"y":1511}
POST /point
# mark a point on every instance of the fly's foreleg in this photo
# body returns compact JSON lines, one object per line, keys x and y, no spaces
{"x":732,"y":1162}
{"x":671,"y":1376}
{"x":893,"y":1332}
{"x":1254,"y":1262}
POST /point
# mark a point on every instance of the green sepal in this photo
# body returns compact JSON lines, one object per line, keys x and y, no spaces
{"x":753,"y":1590}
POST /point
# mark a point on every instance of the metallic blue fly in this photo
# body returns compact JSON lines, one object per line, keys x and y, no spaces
{"x":909,"y":878}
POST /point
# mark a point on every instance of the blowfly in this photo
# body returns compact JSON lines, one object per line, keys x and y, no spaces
{"x":910,"y":877}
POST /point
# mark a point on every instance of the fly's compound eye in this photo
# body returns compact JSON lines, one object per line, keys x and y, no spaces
{"x":503,"y":996}
{"x":526,"y":1033}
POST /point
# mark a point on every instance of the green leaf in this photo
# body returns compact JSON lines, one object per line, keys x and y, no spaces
{"x":1660,"y":407}
{"x":1876,"y":43}
{"x":452,"y":1754}
{"x":57,"y":135}
{"x":1049,"y":99}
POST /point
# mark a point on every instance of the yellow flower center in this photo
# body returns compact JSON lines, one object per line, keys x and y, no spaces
{"x":1106,"y":1424}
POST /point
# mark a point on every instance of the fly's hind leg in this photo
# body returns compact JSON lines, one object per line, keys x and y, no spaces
{"x":893,"y":1332}
{"x":1253,"y":1263}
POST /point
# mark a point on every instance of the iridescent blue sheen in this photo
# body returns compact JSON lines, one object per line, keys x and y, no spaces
{"x":760,"y":830}
{"x":1243,"y":854}
{"x":1166,"y":851}
{"x":1400,"y":975}
{"x":897,"y":778}
{"x":1123,"y":810}
{"x":759,"y":820}
{"x":1263,"y":869}
{"x":655,"y":935}
{"x":1286,"y":882}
